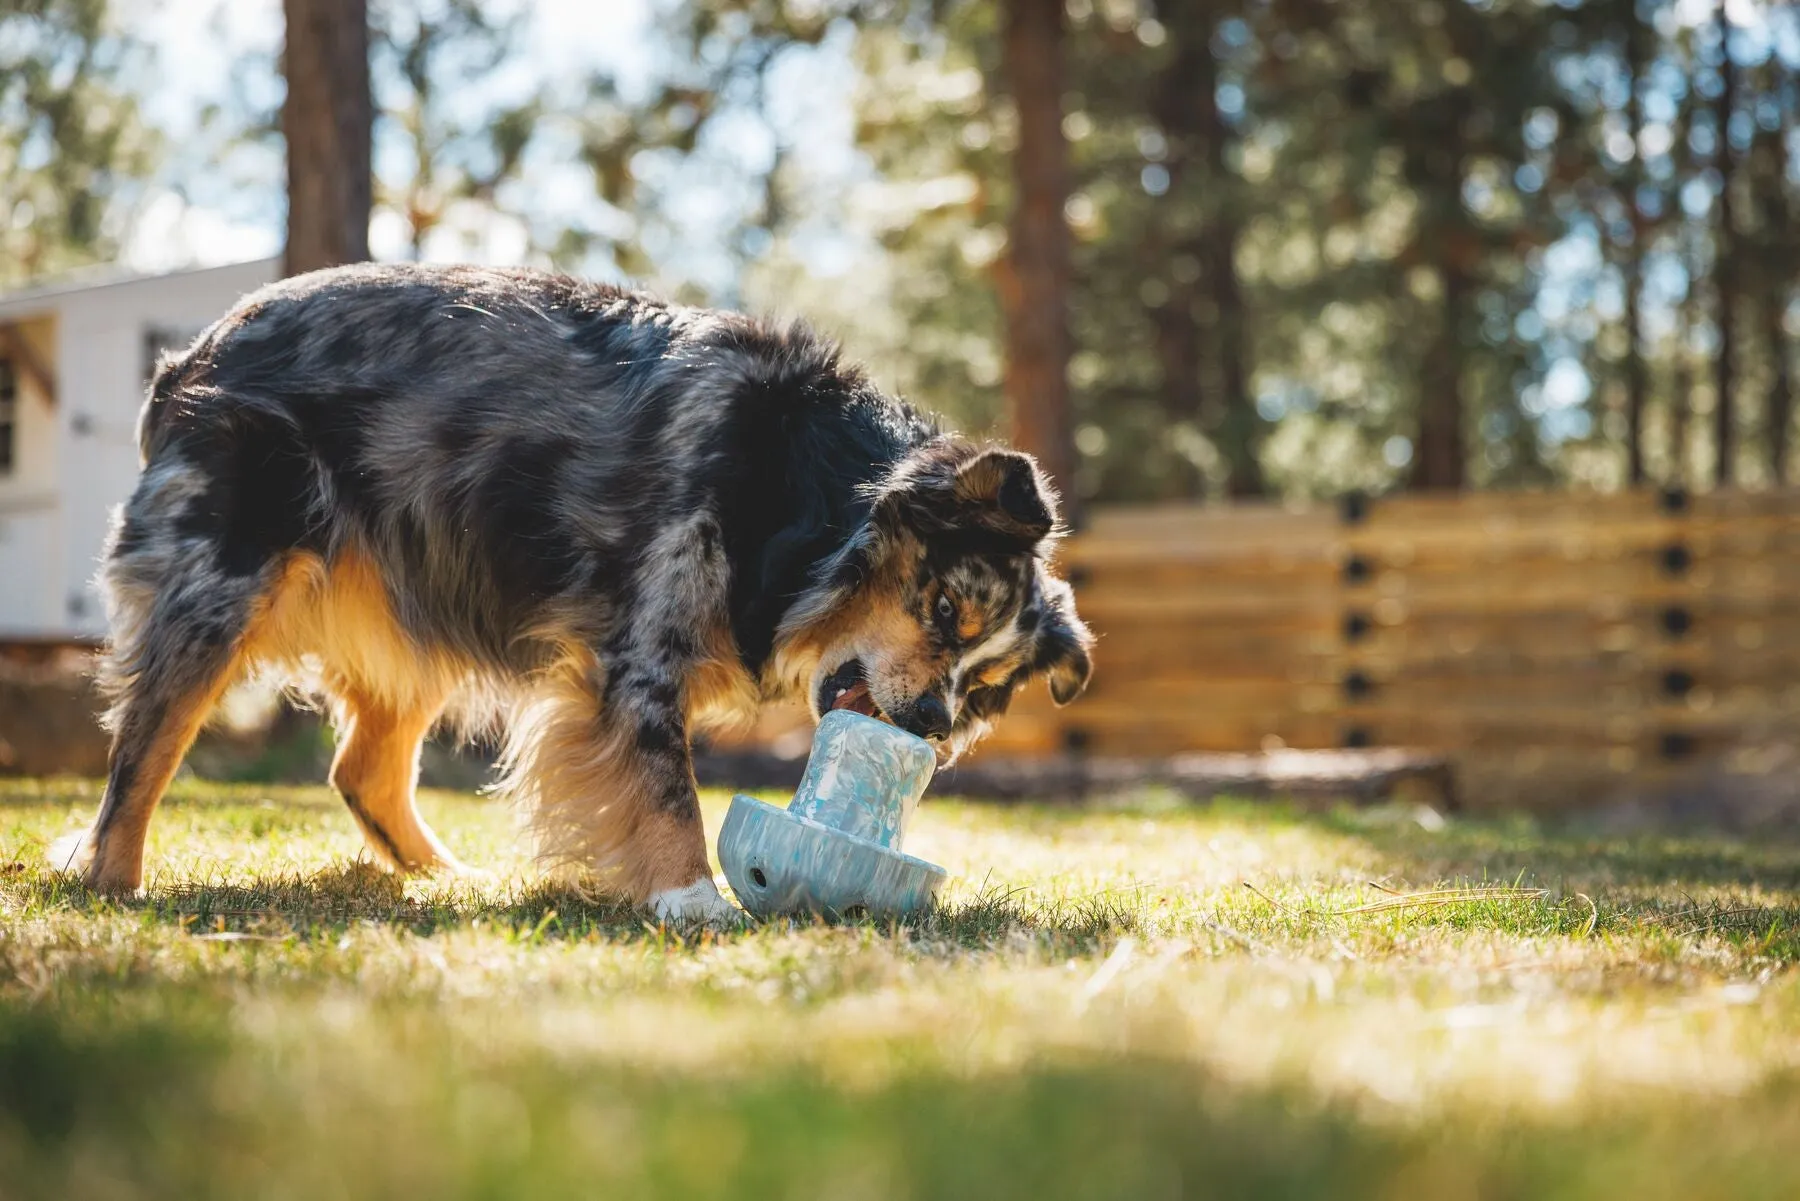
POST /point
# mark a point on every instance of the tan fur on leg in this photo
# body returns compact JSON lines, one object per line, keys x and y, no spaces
{"x":584,"y":790}
{"x":376,"y":771}
{"x":670,"y":850}
{"x":331,"y":628}
{"x":147,"y":751}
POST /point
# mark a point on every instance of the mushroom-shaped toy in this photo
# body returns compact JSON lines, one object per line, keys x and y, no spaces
{"x":836,"y":849}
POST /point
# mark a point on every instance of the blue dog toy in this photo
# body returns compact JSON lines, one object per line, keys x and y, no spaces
{"x":836,"y":849}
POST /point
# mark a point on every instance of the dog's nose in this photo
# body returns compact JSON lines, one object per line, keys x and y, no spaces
{"x":930,"y":718}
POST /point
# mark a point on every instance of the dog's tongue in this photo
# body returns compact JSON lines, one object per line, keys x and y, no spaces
{"x":856,"y":698}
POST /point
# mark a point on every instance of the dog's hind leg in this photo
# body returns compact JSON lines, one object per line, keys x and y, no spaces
{"x":154,"y":724}
{"x":376,"y":771}
{"x":179,"y":624}
{"x":195,"y":559}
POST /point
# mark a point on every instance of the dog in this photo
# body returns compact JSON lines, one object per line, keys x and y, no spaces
{"x":596,"y":520}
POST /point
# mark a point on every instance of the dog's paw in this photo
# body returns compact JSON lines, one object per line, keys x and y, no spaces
{"x":467,"y":873}
{"x":696,"y":903}
{"x":77,"y":854}
{"x":72,"y":852}
{"x":440,"y":864}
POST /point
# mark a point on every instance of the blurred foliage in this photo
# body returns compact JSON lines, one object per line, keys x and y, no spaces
{"x":1349,"y":244}
{"x":429,"y":56}
{"x":1318,"y":244}
{"x":72,"y":144}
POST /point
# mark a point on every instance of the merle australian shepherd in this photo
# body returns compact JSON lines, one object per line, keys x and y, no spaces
{"x":598,"y":520}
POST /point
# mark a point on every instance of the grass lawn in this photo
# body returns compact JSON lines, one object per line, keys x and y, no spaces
{"x":1145,"y":1002}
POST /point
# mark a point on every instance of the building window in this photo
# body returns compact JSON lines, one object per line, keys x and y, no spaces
{"x":9,"y":415}
{"x":160,"y":338}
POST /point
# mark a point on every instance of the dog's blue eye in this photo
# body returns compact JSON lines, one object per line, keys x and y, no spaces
{"x":946,"y":611}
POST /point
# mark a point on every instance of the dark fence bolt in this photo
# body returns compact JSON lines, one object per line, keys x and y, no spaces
{"x":1357,"y":570}
{"x":1676,"y":621}
{"x":1356,"y":627}
{"x":1676,"y":559}
{"x":1353,"y":508}
{"x":1674,"y":500}
{"x":1677,"y":744}
{"x":1678,"y":681}
{"x":1358,"y":737}
{"x":1076,"y":740}
{"x":1357,"y":686}
{"x":1080,"y":577}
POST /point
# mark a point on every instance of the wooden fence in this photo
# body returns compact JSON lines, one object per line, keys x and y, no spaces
{"x":1557,"y":647}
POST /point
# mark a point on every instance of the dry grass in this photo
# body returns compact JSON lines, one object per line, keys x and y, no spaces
{"x":1144,"y":1002}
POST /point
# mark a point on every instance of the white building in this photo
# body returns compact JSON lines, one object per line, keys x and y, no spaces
{"x":75,"y":356}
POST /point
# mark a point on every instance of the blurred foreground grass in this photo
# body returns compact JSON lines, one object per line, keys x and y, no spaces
{"x":1147,"y":1002}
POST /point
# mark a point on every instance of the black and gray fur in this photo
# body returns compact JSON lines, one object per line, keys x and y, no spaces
{"x":597,"y":516}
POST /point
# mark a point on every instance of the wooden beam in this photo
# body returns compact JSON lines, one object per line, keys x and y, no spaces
{"x":15,"y":346}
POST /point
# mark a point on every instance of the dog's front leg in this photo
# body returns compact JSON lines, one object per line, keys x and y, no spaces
{"x":666,"y":855}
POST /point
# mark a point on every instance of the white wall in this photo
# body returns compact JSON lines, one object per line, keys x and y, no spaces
{"x":30,"y":565}
{"x":93,"y":457}
{"x":100,"y":349}
{"x":31,"y":559}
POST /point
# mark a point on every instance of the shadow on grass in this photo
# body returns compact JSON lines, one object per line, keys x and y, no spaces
{"x":1567,"y":857}
{"x":324,"y":903}
{"x":109,"y":1098}
{"x":1686,"y":884}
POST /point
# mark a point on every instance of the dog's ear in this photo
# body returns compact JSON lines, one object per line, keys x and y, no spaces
{"x":1064,"y":651}
{"x":999,"y":493}
{"x":1009,"y":492}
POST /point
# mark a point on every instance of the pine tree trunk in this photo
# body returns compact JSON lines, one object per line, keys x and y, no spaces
{"x":1035,"y":282}
{"x":1440,"y":461}
{"x":1206,"y":374}
{"x":327,"y":119}
{"x":1637,"y":380}
{"x":1637,"y":376}
{"x":1178,"y":358}
{"x":1781,"y":384}
{"x":1175,"y":235}
{"x":1681,"y":399}
{"x":1435,"y":137}
{"x":1240,"y":432}
{"x":1689,"y":237}
{"x":1775,"y":262}
{"x":1725,"y":274}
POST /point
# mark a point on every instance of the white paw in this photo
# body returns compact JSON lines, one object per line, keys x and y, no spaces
{"x":72,"y":852}
{"x":697,"y":902}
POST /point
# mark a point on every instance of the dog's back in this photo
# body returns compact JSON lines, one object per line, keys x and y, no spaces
{"x":495,"y":440}
{"x":610,"y":520}
{"x":410,"y":488}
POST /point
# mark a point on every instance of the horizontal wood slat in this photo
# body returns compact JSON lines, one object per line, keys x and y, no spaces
{"x":1551,"y":643}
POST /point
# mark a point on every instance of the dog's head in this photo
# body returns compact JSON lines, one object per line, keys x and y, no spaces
{"x":941,"y":606}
